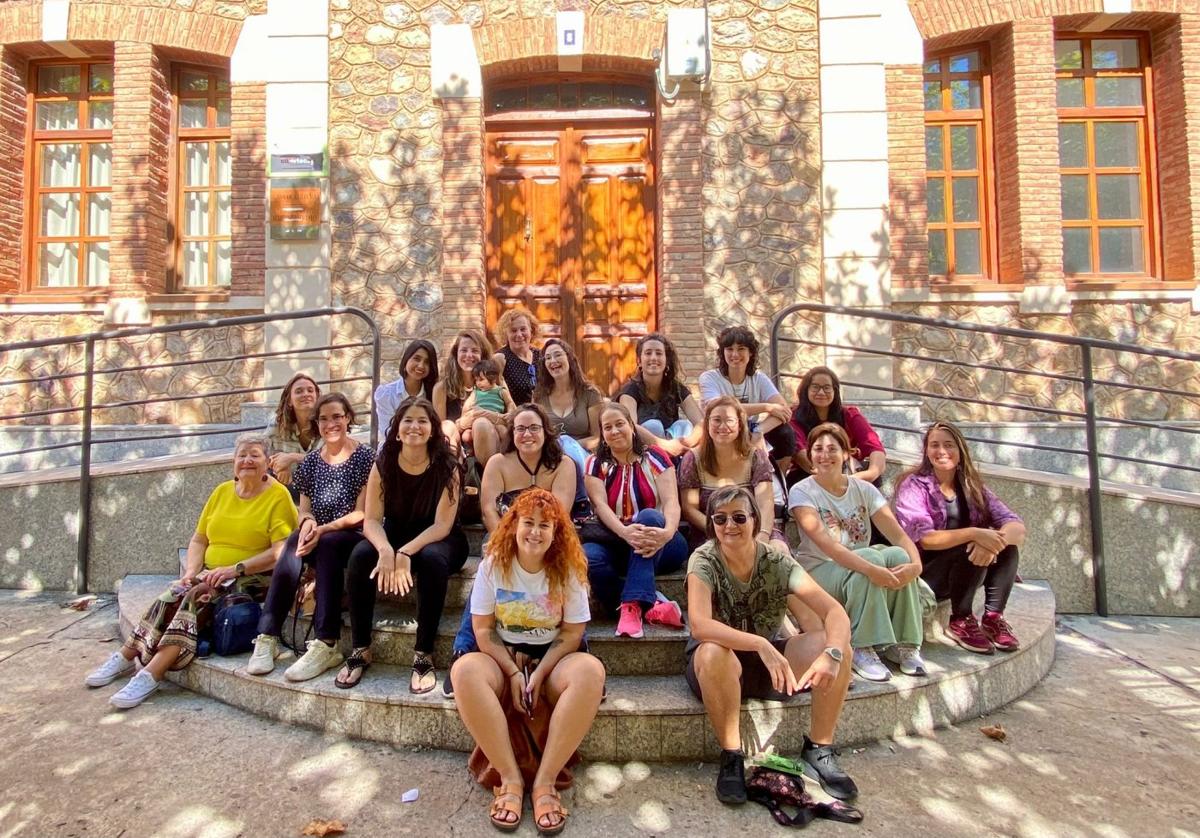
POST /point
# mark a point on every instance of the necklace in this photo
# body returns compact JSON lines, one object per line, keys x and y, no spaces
{"x":531,"y":472}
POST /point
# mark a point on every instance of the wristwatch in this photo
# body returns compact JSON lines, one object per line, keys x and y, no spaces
{"x":240,"y":567}
{"x":834,"y":652}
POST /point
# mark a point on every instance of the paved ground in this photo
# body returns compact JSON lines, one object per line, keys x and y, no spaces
{"x":1106,"y":746}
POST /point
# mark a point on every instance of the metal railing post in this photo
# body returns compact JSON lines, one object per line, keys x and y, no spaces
{"x":375,"y":361}
{"x":84,"y":528}
{"x":1094,"y":499}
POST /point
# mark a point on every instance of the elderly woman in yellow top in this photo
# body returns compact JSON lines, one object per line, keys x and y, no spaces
{"x":240,"y":535}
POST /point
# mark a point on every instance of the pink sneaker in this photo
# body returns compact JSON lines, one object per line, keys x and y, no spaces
{"x":665,"y":612}
{"x":629,"y":623}
{"x":999,"y":632}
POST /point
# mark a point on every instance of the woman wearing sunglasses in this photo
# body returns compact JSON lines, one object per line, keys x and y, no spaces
{"x":739,"y":594}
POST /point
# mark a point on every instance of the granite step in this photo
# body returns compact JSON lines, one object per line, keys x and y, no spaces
{"x":672,"y":585}
{"x":649,"y":717}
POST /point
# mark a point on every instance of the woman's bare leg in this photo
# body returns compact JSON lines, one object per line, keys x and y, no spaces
{"x":478,"y":687}
{"x":486,"y":440}
{"x":163,"y":660}
{"x":574,"y":688}
{"x":720,"y":674}
{"x":801,"y":651}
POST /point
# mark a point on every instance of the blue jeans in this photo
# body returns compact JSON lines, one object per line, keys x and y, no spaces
{"x":464,"y":640}
{"x":678,"y":430}
{"x":572,"y":448}
{"x":607,"y":564}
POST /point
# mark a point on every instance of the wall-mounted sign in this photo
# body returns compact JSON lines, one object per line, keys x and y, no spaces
{"x":569,"y":29}
{"x":311,"y":164}
{"x":295,"y":210}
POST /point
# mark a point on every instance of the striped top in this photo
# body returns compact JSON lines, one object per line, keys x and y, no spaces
{"x":631,"y":488}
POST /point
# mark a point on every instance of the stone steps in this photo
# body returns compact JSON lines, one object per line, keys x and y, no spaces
{"x":649,"y":717}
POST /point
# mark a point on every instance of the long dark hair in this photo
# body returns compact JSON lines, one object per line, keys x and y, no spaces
{"x":442,"y":462}
{"x":672,"y":375}
{"x":604,"y":454}
{"x":431,"y":377}
{"x":741,"y":335}
{"x":287,"y":425}
{"x":966,"y":475}
{"x":805,"y":415}
{"x":552,"y":452}
{"x":545,"y":383}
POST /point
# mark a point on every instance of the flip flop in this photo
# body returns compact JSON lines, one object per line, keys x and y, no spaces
{"x":424,"y":677}
{"x":355,"y":667}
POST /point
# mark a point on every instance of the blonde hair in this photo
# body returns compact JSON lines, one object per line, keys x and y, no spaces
{"x":506,"y":320}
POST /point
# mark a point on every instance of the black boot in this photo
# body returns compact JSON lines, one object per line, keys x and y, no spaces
{"x":822,"y":759}
{"x":731,"y":779}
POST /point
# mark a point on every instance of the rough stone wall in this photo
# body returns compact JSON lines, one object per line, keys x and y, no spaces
{"x":759,"y":159}
{"x":1151,"y":325}
{"x":164,"y":381}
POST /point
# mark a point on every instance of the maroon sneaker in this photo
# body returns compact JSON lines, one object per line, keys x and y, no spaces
{"x":1000,"y":632}
{"x":965,"y":632}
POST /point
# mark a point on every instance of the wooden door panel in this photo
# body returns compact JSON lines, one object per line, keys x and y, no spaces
{"x":509,"y":231}
{"x":595,"y":242}
{"x":636,"y":245}
{"x":546,"y":229}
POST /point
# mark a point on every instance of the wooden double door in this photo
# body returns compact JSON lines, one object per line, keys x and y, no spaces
{"x":571,"y":236}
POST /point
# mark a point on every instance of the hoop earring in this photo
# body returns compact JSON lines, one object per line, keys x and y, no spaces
{"x":266,"y":477}
{"x":235,"y":478}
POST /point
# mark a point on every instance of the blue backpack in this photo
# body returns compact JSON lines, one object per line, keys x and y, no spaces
{"x":235,"y":624}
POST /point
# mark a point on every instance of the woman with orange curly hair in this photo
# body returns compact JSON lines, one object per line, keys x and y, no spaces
{"x":529,"y":608}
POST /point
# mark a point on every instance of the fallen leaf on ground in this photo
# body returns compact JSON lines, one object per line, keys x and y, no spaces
{"x":321,"y":828}
{"x":996,"y":732}
{"x":82,"y":603}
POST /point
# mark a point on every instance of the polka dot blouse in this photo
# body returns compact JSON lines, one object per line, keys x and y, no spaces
{"x":333,"y":490}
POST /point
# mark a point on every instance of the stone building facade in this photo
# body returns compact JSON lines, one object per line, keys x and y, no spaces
{"x":796,"y":168}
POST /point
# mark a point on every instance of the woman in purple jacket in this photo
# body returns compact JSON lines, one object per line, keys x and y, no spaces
{"x":966,"y":536}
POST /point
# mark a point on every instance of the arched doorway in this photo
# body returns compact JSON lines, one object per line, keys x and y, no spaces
{"x":571,"y":212}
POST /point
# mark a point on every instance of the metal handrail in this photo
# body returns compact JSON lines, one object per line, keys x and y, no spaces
{"x":88,"y":407}
{"x":1086,"y":380}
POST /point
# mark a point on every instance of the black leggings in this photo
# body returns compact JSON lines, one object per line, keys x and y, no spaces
{"x":329,"y":557}
{"x":952,"y":576}
{"x":431,"y":566}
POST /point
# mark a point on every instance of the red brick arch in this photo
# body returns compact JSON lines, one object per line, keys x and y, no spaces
{"x":178,"y":28}
{"x":937,"y":18}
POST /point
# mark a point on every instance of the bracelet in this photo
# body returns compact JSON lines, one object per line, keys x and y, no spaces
{"x":402,"y":553}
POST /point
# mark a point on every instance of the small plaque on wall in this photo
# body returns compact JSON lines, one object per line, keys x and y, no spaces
{"x":295,"y":210}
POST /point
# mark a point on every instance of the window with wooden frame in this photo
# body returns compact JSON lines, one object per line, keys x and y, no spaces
{"x":204,"y":211}
{"x":958,"y":167}
{"x":1106,"y":158}
{"x":71,"y":107}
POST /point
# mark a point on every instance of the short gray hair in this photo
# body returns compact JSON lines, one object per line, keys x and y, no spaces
{"x":253,"y":438}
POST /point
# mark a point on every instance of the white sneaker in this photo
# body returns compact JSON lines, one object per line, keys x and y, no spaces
{"x":908,"y":658}
{"x":262,"y":659}
{"x":112,"y":669}
{"x":139,"y":688}
{"x":319,"y":657}
{"x":868,"y":665}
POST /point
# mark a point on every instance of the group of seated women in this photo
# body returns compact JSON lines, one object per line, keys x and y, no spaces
{"x":579,"y":494}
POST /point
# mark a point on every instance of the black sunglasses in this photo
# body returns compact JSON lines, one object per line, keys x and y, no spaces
{"x":721,"y":519}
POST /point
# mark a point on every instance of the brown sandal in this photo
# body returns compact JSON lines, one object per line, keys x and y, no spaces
{"x":510,"y":798}
{"x":547,"y":802}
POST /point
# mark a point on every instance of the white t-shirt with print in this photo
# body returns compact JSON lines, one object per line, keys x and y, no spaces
{"x":754,"y":389}
{"x":522,"y":605}
{"x":847,"y":518}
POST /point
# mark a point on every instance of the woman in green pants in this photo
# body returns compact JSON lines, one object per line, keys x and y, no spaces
{"x":878,"y":586}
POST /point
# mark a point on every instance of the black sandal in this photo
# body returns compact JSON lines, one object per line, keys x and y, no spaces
{"x":422,"y":667}
{"x":356,"y":663}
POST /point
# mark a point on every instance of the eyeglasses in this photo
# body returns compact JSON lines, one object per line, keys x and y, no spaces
{"x":326,"y":419}
{"x":721,"y":519}
{"x":521,"y":430}
{"x":821,"y":388}
{"x":723,"y":423}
